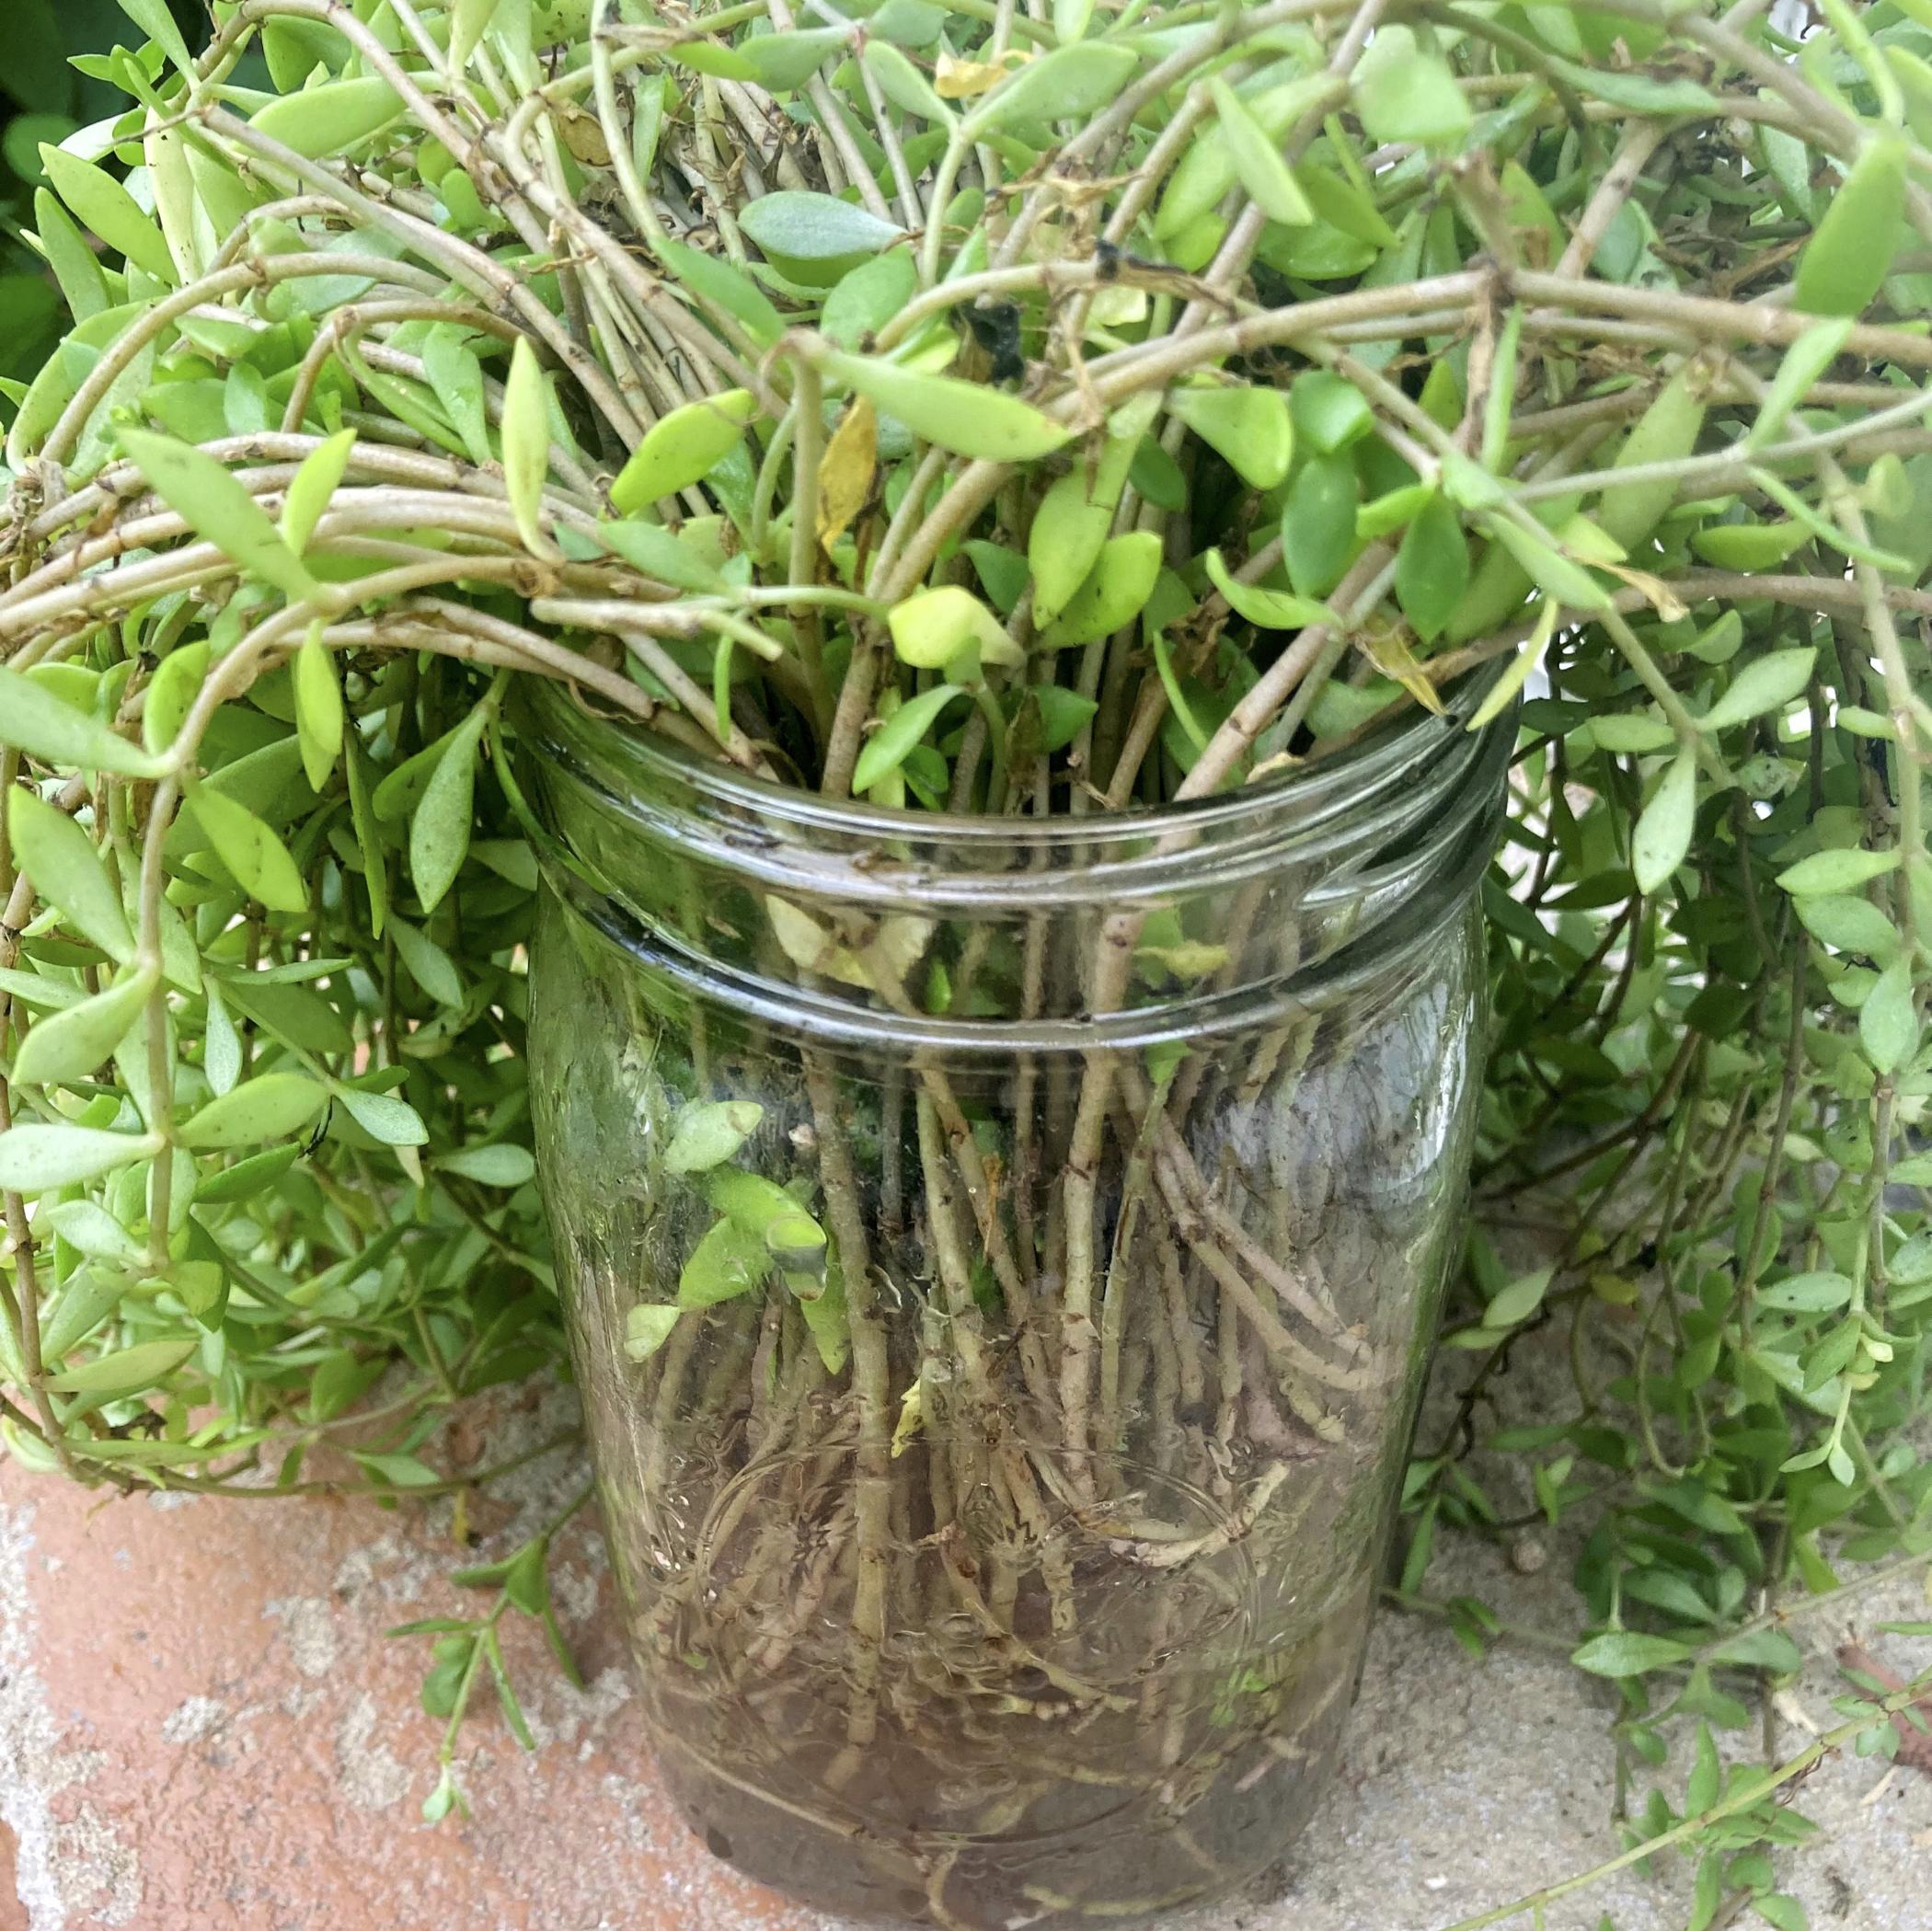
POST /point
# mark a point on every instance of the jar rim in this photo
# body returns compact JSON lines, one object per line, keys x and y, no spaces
{"x":1373,"y":767}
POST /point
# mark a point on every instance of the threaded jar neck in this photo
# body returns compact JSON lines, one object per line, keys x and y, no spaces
{"x":995,"y":931}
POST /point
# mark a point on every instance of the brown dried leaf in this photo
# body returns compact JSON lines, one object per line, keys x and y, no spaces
{"x":1390,"y":654}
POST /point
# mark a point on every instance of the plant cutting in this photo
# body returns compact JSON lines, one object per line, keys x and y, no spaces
{"x":897,"y":640}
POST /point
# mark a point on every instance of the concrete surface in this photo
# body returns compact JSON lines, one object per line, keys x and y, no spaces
{"x":202,"y":1729}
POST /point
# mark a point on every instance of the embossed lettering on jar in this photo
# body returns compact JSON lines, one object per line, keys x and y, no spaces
{"x":1000,"y":1260}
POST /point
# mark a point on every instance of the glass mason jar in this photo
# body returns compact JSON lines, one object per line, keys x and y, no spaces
{"x":1002,"y":1258}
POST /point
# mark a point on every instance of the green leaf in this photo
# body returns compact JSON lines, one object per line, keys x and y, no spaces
{"x":1266,"y":609}
{"x":1068,"y":83}
{"x":658,"y":553}
{"x":1625,"y":1652}
{"x":369,"y":843}
{"x":886,"y":748}
{"x":171,"y":692}
{"x":312,"y":488}
{"x":1329,"y":411}
{"x":382,"y":1116}
{"x":35,"y":1159}
{"x":1263,"y":169}
{"x":246,"y":1178}
{"x":1064,"y":715}
{"x":1836,"y":872}
{"x":440,"y":828}
{"x":1766,"y":683}
{"x":1319,"y":525}
{"x":526,"y":444}
{"x":1553,"y":573}
{"x":1888,"y":1021}
{"x":255,"y":856}
{"x":272,"y":1106}
{"x":215,"y":506}
{"x":1642,"y":93}
{"x":869,"y":297}
{"x":815,"y":239}
{"x":1403,"y":94}
{"x":646,"y":1328}
{"x":468,"y":21}
{"x":723,"y":286}
{"x":1662,"y":836}
{"x":504,"y":1164}
{"x":1748,"y":547}
{"x":86,"y":1225}
{"x":1848,"y":925}
{"x":128,"y":1371}
{"x":729,"y":1261}
{"x":1804,"y":361}
{"x":1847,"y":259}
{"x":456,"y":378}
{"x":707,"y":1134}
{"x":331,"y":117}
{"x":100,"y":204}
{"x":964,"y":417}
{"x":1781,"y":1910}
{"x":76,"y":267}
{"x":66,"y":871}
{"x":1250,"y":427}
{"x":1433,"y":568}
{"x":683,"y":449}
{"x":904,"y":85}
{"x":1518,"y":1300}
{"x":47,"y":727}
{"x":431,"y":968}
{"x":782,"y":62}
{"x":1760,"y":1650}
{"x":1063,"y":543}
{"x":154,"y":20}
{"x":1116,"y":592}
{"x":825,"y":1317}
{"x":318,"y":710}
{"x":1821,"y":1292}
{"x":69,"y":1045}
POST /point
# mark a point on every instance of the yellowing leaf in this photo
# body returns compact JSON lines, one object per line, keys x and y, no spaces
{"x":954,"y":79}
{"x":846,"y":470}
{"x":1393,"y":658}
{"x":946,"y":627}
